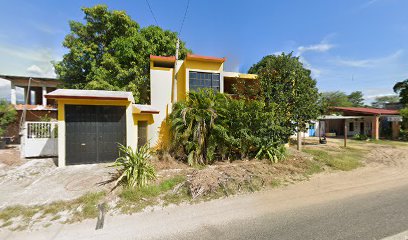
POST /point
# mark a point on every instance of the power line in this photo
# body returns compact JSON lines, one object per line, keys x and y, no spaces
{"x":151,"y":11}
{"x":184,"y":18}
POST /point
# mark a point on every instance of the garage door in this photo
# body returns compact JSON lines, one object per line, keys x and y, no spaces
{"x":93,"y":133}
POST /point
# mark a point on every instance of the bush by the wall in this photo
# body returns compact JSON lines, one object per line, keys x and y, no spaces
{"x":361,"y":137}
{"x":404,"y":135}
{"x":211,"y":126}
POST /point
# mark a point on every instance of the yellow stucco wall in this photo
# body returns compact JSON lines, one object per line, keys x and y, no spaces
{"x":131,"y":125}
{"x":193,"y":65}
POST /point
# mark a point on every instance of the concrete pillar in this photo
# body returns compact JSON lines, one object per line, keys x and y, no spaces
{"x":395,"y":130}
{"x":375,"y":130}
{"x":44,"y":92}
{"x":13,"y":98}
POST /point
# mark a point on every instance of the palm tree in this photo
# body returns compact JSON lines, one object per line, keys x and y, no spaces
{"x":192,"y":122}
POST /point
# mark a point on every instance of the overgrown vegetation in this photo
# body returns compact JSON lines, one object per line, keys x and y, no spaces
{"x":82,"y":208}
{"x":136,"y":199}
{"x":134,"y":167}
{"x":361,"y":137}
{"x":344,"y":159}
{"x":7,"y":115}
{"x":211,"y":126}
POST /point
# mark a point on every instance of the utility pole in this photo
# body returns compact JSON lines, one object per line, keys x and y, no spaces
{"x":23,"y":116}
{"x":175,"y":72}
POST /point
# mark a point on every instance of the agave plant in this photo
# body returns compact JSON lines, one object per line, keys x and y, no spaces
{"x":135,"y":169}
{"x":273,"y":152}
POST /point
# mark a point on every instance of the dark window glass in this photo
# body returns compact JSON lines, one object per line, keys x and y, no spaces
{"x":351,"y":126}
{"x":199,"y":80}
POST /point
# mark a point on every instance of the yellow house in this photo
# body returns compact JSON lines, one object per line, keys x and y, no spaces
{"x":92,"y":122}
{"x":170,"y":82}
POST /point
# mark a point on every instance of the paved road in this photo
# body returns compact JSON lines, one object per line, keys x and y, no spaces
{"x":367,"y":203}
{"x":371,"y":216}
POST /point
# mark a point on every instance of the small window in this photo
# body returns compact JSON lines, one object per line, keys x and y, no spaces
{"x":351,"y":126}
{"x":141,"y":133}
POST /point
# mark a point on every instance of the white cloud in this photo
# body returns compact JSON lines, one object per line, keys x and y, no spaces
{"x":368,"y":3}
{"x":320,"y":47}
{"x":34,"y":69}
{"x":315,"y":71}
{"x":46,"y":28}
{"x":38,"y":55}
{"x":41,"y":72}
{"x":370,"y":62}
{"x":371,"y":93}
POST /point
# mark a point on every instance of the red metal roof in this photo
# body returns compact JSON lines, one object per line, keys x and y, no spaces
{"x":163,"y":59}
{"x":205,"y":58}
{"x":370,"y":111}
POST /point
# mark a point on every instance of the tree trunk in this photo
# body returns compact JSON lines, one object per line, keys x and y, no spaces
{"x":299,"y":141}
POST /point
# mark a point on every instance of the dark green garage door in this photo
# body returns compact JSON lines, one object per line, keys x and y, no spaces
{"x":93,"y":133}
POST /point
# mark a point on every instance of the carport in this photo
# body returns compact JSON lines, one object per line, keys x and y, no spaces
{"x":91,"y":124}
{"x":359,"y":120}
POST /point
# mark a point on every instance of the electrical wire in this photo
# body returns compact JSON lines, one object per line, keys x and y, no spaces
{"x":184,"y":18}
{"x":151,"y":11}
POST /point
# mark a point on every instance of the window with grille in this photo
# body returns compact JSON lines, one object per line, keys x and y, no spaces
{"x":141,"y":133}
{"x":199,"y":80}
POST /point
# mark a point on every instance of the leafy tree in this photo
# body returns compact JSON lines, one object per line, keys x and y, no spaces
{"x":287,"y":83}
{"x":404,"y":114}
{"x":356,"y":98}
{"x":380,"y":101}
{"x":7,"y":115}
{"x":111,"y":52}
{"x":336,"y":99}
{"x":402,"y":89}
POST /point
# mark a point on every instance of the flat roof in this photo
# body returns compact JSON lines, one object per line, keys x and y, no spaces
{"x":141,"y":108}
{"x":240,"y":75}
{"x":368,"y":111}
{"x":205,"y":58}
{"x":90,"y":94}
{"x":13,"y":77}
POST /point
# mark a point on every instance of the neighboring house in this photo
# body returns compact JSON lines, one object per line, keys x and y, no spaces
{"x":374,"y":122}
{"x":393,"y":106}
{"x":37,"y":106}
{"x":92,"y":122}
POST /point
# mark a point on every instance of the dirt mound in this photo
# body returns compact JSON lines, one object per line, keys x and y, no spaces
{"x":239,"y":176}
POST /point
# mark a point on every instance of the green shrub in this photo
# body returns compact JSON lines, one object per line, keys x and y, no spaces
{"x":273,"y":152}
{"x":404,"y":135}
{"x":7,"y":115}
{"x":134,"y":166}
{"x":210,"y":126}
{"x":361,"y":137}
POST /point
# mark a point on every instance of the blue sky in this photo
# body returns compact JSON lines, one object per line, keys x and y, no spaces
{"x":349,"y":45}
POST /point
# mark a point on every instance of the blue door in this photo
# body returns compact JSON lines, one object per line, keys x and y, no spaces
{"x":312,"y":131}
